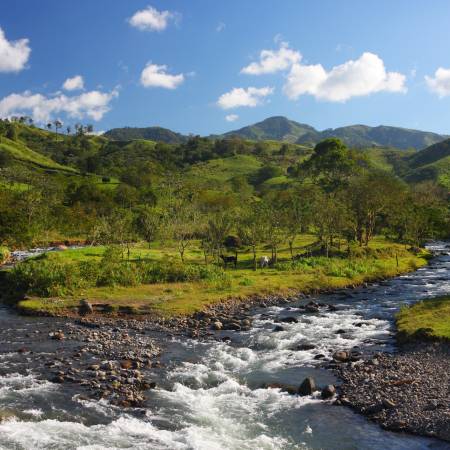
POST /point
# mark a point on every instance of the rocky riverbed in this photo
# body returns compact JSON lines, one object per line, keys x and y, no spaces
{"x":98,"y":362}
{"x":405,"y":391}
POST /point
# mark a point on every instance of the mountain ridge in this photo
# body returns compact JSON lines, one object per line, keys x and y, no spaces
{"x":280,"y":128}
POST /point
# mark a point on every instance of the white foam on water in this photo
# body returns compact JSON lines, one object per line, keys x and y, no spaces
{"x":22,"y":385}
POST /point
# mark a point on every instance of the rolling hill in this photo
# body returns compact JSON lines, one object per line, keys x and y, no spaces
{"x":274,"y":128}
{"x":356,"y":136}
{"x":158,"y":134}
{"x":431,"y":164}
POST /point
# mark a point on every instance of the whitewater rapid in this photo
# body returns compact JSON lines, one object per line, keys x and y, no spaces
{"x":211,"y":395}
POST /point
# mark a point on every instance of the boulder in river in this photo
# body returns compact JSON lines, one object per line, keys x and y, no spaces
{"x":341,"y":356}
{"x":289,"y":319}
{"x":307,"y":387}
{"x":328,"y":391}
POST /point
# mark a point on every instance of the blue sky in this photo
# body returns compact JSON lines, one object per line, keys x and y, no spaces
{"x":190,"y":66}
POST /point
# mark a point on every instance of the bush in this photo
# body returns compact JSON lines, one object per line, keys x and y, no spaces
{"x":50,"y":276}
{"x":45,"y":278}
{"x":4,"y":255}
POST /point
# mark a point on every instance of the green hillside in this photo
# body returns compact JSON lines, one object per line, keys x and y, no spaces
{"x":151,"y":133}
{"x":431,"y":164}
{"x":18,"y":151}
{"x":274,"y":128}
{"x":382,"y":136}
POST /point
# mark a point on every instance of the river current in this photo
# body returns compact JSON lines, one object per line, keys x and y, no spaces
{"x":211,"y":395}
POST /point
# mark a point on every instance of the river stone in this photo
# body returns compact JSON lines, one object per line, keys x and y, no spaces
{"x":341,"y":356}
{"x":307,"y":387}
{"x":305,"y":346}
{"x":328,"y":391}
{"x":217,"y":325}
{"x":277,"y":328}
{"x":289,"y":319}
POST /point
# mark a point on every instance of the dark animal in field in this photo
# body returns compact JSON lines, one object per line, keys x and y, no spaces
{"x":229,"y":259}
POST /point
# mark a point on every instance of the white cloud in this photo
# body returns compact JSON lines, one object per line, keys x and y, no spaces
{"x":74,"y":83}
{"x":243,"y":97}
{"x":354,"y":78}
{"x":93,"y":104}
{"x":154,"y":75}
{"x":271,"y":61}
{"x":231,"y":117}
{"x":220,"y":27}
{"x":440,"y":83}
{"x":13,"y":54}
{"x":150,"y":19}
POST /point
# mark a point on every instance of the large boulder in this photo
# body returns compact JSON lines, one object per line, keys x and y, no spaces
{"x":328,"y":391}
{"x":307,"y":387}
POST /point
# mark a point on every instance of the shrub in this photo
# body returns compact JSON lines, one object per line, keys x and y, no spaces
{"x":4,"y":255}
{"x":46,"y":277}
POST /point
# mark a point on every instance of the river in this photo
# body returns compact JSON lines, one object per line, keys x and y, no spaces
{"x":210,"y":394}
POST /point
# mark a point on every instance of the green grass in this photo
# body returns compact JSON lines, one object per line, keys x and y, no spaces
{"x":21,"y":152}
{"x":168,"y":299}
{"x":429,"y":318}
{"x":223,"y":169}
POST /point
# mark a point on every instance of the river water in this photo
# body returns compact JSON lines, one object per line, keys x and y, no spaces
{"x":210,"y":394}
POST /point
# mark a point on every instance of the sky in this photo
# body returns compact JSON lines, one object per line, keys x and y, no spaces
{"x":204,"y":66}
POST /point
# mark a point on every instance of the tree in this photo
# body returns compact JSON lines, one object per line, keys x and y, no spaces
{"x":368,"y":195}
{"x":58,"y":124}
{"x":295,"y":210}
{"x":182,"y":223}
{"x":148,"y":223}
{"x":331,"y":164}
{"x":11,"y":132}
{"x":252,"y":228}
{"x":218,"y":226}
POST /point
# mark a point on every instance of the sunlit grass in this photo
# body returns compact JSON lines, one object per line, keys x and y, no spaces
{"x":169,"y":299}
{"x":432,"y":314}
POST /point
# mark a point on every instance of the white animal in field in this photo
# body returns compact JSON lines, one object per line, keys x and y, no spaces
{"x":264,"y":261}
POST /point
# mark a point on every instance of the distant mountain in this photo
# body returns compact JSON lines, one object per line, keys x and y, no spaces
{"x":357,"y":136}
{"x":276,"y":128}
{"x":382,"y":136}
{"x":280,"y":128}
{"x":158,"y":134}
{"x":432,"y":163}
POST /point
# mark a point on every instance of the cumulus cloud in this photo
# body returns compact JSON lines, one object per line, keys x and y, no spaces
{"x":13,"y":54}
{"x":231,"y":117}
{"x":150,"y":19}
{"x":271,"y":61}
{"x":354,"y":78}
{"x":440,"y":83}
{"x":244,"y":97}
{"x":154,"y":75}
{"x":74,"y":83}
{"x":93,"y":104}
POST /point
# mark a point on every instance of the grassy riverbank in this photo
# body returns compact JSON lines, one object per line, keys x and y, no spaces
{"x":428,"y":319}
{"x":310,"y":274}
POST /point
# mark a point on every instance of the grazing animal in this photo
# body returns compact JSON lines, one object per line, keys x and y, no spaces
{"x":264,"y":261}
{"x":229,"y":259}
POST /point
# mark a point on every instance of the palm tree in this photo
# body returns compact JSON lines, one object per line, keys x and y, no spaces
{"x":49,"y":126}
{"x":68,"y":129}
{"x":58,"y":124}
